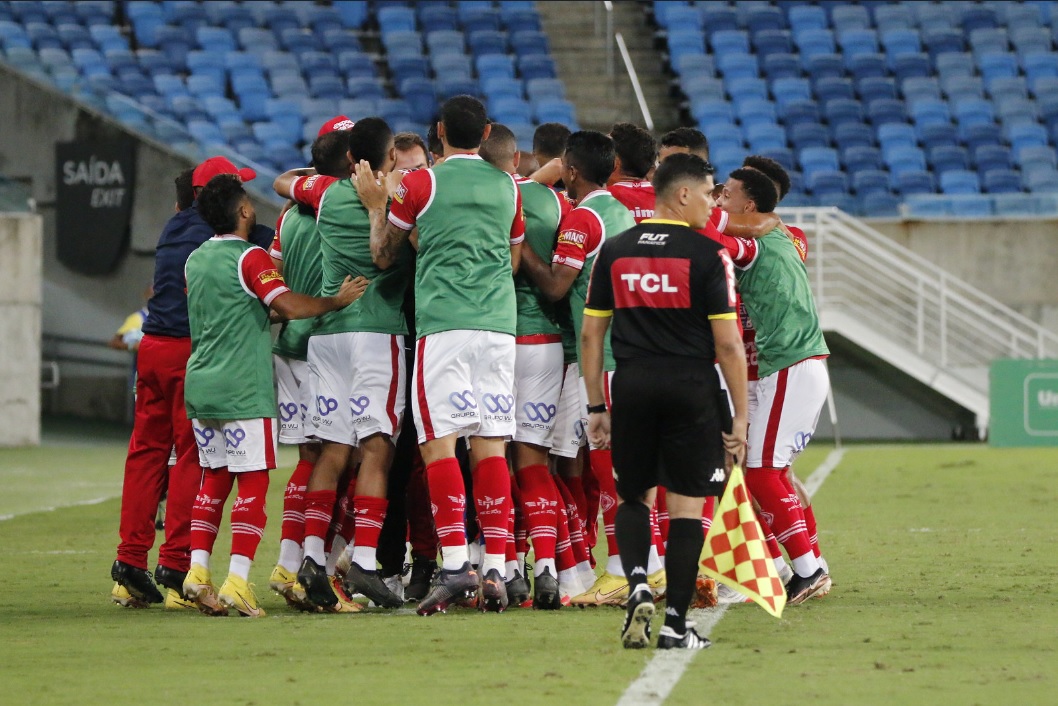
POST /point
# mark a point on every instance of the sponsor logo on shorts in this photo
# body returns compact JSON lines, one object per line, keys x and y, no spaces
{"x":578,"y":431}
{"x":204,"y":436}
{"x":539,"y":412}
{"x":287,"y":411}
{"x":326,"y":405}
{"x":502,"y":404}
{"x":801,"y":440}
{"x":464,"y":403}
{"x":718,"y":476}
{"x":234,"y":437}
{"x":359,"y":404}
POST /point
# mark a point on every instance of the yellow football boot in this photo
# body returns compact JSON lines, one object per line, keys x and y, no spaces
{"x":607,"y":590}
{"x":237,"y":594}
{"x":198,"y":587}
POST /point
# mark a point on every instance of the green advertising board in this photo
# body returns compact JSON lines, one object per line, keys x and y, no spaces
{"x":1024,"y":403}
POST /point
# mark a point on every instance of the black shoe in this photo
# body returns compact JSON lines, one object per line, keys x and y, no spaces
{"x":136,"y":581}
{"x":170,"y":578}
{"x":801,"y":588}
{"x":517,"y":589}
{"x":447,"y":587}
{"x":546,"y":595}
{"x":370,"y":584}
{"x":313,"y":579}
{"x":493,"y":592}
{"x":636,"y":631}
{"x":422,"y":571}
{"x":669,"y":639}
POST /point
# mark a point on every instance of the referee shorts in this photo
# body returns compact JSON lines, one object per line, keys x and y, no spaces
{"x":665,"y":428}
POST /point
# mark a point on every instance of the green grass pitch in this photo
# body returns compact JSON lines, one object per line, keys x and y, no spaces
{"x":944,"y":570}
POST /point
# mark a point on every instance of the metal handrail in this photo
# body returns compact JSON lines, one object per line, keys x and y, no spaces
{"x":607,"y":7}
{"x":634,"y":77}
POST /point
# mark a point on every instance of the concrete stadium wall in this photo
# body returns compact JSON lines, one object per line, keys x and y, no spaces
{"x":35,"y":117}
{"x":20,"y":323}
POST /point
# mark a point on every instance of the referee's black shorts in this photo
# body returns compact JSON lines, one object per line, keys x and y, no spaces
{"x":665,"y":427}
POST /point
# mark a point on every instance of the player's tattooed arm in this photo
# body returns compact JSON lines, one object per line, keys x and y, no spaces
{"x":550,"y":173}
{"x":386,"y":238}
{"x":553,"y":279}
{"x":286,"y":179}
{"x":292,"y":305}
{"x":751,"y":225}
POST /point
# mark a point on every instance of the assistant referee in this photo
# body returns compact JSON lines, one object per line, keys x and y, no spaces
{"x":670,"y":294}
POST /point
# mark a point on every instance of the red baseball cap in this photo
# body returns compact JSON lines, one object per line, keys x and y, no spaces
{"x":219,"y":165}
{"x":334,"y":124}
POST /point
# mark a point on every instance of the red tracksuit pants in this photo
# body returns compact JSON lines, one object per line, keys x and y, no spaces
{"x":161,"y":422}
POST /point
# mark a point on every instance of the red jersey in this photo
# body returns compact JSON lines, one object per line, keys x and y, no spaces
{"x":637,"y":195}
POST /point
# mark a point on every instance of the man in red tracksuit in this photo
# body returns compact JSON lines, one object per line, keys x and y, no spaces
{"x":160,"y":421}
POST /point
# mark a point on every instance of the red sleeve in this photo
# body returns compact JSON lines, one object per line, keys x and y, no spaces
{"x":260,"y":277}
{"x":800,"y":242}
{"x":414,"y":192}
{"x":743,"y":251}
{"x":309,"y":190}
{"x":579,"y":237}
{"x":718,"y":219}
{"x":276,"y":249}
{"x":518,"y":224}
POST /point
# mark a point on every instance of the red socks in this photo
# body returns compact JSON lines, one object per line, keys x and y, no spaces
{"x":576,"y":524}
{"x":449,"y":501}
{"x":540,"y":501}
{"x":370,"y":513}
{"x":574,"y":494}
{"x":248,"y":513}
{"x":662,"y":508}
{"x":777,"y":500}
{"x":492,"y":498}
{"x":708,"y":510}
{"x":602,"y":471}
{"x":319,"y":508}
{"x":293,"y":527}
{"x":421,"y":532}
{"x":209,"y":503}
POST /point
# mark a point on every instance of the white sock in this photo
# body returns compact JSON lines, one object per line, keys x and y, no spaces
{"x":542,"y":564}
{"x":474,"y":554}
{"x":314,"y":549}
{"x":569,"y":583}
{"x":779,"y":563}
{"x":654,"y":561}
{"x":493,"y":561}
{"x":200,"y":557}
{"x":240,"y":566}
{"x":521,"y":558}
{"x":823,"y":564}
{"x":613,"y":566}
{"x":365,"y":558}
{"x":453,"y":558}
{"x":290,"y":555}
{"x":586,"y":573}
{"x":510,"y":569}
{"x":805,"y":565}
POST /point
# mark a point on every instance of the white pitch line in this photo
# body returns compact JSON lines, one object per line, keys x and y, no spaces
{"x":93,"y":501}
{"x":664,"y":670}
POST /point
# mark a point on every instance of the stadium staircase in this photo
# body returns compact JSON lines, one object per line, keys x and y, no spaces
{"x":909,"y":312}
{"x":577,"y":31}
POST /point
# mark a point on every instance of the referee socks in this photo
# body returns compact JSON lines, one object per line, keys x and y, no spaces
{"x":634,"y":539}
{"x":681,"y":569}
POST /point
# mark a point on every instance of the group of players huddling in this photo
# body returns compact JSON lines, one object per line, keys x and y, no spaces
{"x":435,"y":276}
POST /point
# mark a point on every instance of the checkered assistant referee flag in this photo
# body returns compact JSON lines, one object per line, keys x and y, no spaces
{"x":736,"y":554}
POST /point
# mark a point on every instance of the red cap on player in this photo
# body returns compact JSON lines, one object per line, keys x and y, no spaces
{"x":334,"y":124}
{"x":219,"y":165}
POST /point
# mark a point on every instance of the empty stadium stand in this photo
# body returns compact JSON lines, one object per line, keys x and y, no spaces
{"x":946,"y":109}
{"x":258,"y":78}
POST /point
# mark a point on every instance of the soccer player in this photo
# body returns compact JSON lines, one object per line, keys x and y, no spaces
{"x":411,"y":152}
{"x":549,"y":144}
{"x":433,"y":143}
{"x":298,"y":256}
{"x":471,"y":228}
{"x":160,"y":421}
{"x":230,"y":391}
{"x":356,"y":377}
{"x":538,"y":374}
{"x":636,"y":154}
{"x":671,"y":296}
{"x":687,"y":140}
{"x":586,"y":166}
{"x":793,"y":382}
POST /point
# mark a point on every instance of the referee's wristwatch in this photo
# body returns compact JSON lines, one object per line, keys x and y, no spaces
{"x":596,"y":409}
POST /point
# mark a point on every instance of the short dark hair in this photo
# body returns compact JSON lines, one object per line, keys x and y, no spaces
{"x":185,"y":193}
{"x":407,"y":141}
{"x":549,"y":140}
{"x":433,"y":140}
{"x":689,"y":137}
{"x":500,"y":147}
{"x":218,"y":203}
{"x":464,"y":118}
{"x":679,"y":168}
{"x":636,"y":148}
{"x":369,"y":139}
{"x":592,"y":153}
{"x":771,"y":169}
{"x":329,"y":154}
{"x":758,"y":187}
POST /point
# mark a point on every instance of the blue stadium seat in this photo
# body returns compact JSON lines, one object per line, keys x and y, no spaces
{"x":357,"y":108}
{"x":864,"y":66}
{"x":352,"y":12}
{"x":886,"y":110}
{"x":685,"y":43}
{"x":765,"y":18}
{"x":402,"y":43}
{"x":555,"y":111}
{"x":1014,"y":110}
{"x":480,"y":19}
{"x":746,"y":87}
{"x":908,"y":66}
{"x":879,"y":204}
{"x":901,"y":158}
{"x":888,"y":17}
{"x":445,"y":41}
{"x":976,"y":17}
{"x":365,"y":88}
{"x":710,"y":110}
{"x":824,"y":66}
{"x":697,"y":87}
{"x":962,"y":87}
{"x":778,"y":66}
{"x":827,"y":89}
{"x":914,"y":182}
{"x":1021,"y":14}
{"x":954,"y":63}
{"x":421,"y":97}
{"x":1041,"y":180}
{"x":718,"y":17}
{"x":772,"y":41}
{"x":843,"y":110}
{"x":860,"y":158}
{"x":257,"y":41}
{"x":870,"y":181}
{"x":973,"y":111}
{"x":930,"y":111}
{"x":786,"y":90}
{"x":942,"y":40}
{"x":1040,"y":65}
{"x":998,"y":64}
{"x":545,"y":89}
{"x":849,"y":17}
{"x":946,"y":158}
{"x":809,"y":135}
{"x":1032,"y":157}
{"x":529,"y":43}
{"x":536,"y":66}
{"x":396,"y":19}
{"x":992,"y":157}
{"x":852,"y":135}
{"x":486,"y":42}
{"x":976,"y":135}
{"x":858,"y":41}
{"x":340,"y":40}
{"x":738,"y":66}
{"x":494,"y":65}
{"x":755,"y":111}
{"x":501,"y":87}
{"x":874,"y":87}
{"x":408,"y":66}
{"x":898,"y":42}
{"x":800,"y":112}
{"x":726,"y":135}
{"x":783,"y":156}
{"x":437,"y":17}
{"x":730,"y":41}
{"x":394,"y":111}
{"x":920,"y":88}
{"x":813,"y":42}
{"x":930,"y":15}
{"x":803,"y":17}
{"x":827,"y":183}
{"x":1002,"y":181}
{"x":689,"y":65}
{"x":763,"y":137}
{"x":816,"y":159}
{"x":989,"y":41}
{"x":960,"y":181}
{"x":1030,"y":40}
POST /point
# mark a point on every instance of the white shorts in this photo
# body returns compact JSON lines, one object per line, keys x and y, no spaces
{"x":607,"y":386}
{"x":571,"y":421}
{"x":464,"y":384}
{"x":356,"y":381}
{"x":240,"y":444}
{"x":787,"y":409}
{"x":751,"y":390}
{"x":292,"y":389}
{"x":537,"y":386}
